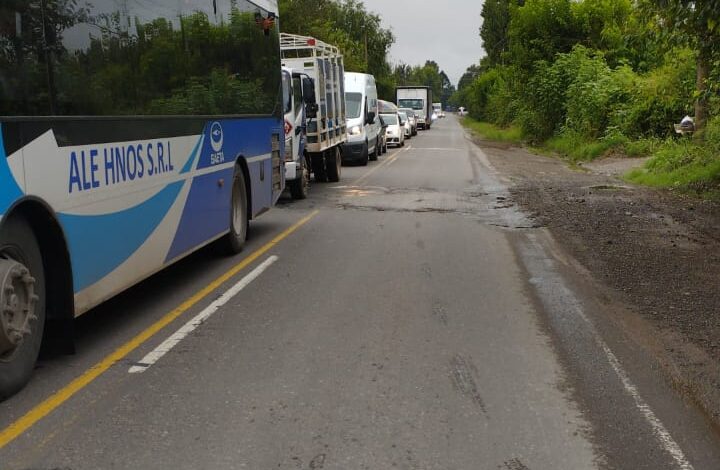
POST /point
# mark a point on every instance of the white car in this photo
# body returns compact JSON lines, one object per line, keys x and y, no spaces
{"x":406,"y":124}
{"x":395,"y":133}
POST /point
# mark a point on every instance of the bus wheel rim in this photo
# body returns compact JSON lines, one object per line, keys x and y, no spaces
{"x":17,"y":305}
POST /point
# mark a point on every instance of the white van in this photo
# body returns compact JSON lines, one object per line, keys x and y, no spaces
{"x":363,"y":126}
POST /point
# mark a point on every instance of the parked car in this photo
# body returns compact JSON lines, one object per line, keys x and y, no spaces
{"x":412,"y":115}
{"x":386,"y":107}
{"x":405,"y":124}
{"x":395,"y":133}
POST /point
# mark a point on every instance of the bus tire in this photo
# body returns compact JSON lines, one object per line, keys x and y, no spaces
{"x":318,"y":167}
{"x":235,"y":239}
{"x":18,"y":244}
{"x":299,"y":186}
{"x":333,"y":163}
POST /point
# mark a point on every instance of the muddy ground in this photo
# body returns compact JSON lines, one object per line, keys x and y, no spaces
{"x":656,"y":251}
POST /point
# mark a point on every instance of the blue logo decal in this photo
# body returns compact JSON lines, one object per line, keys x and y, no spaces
{"x":216,"y":136}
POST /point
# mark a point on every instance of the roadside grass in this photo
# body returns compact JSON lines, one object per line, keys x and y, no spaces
{"x":681,"y":165}
{"x":492,"y":132}
{"x":576,"y":148}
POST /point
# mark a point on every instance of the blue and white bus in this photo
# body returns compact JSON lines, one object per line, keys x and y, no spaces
{"x":133,"y":132}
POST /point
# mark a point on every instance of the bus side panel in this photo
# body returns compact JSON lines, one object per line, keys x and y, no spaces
{"x":206,"y":214}
{"x":10,"y":190}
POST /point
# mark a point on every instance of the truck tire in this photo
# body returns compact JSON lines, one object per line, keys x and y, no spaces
{"x":374,"y":156}
{"x":333,"y":164}
{"x":19,"y":247}
{"x":318,"y":167}
{"x":300,"y":186}
{"x":235,"y":238}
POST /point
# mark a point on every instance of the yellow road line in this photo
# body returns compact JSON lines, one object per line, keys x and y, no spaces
{"x":10,"y":433}
{"x":385,"y":163}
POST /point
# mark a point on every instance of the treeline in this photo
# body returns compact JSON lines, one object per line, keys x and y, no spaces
{"x":595,"y":69}
{"x":365,"y":44}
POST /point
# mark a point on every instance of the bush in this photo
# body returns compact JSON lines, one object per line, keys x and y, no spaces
{"x":661,"y":98}
{"x":578,"y":147}
{"x":682,"y":165}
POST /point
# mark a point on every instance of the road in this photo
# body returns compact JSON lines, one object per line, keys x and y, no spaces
{"x":407,"y":317}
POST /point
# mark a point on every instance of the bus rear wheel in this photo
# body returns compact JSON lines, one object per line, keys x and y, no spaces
{"x":235,"y":239}
{"x":22,"y":304}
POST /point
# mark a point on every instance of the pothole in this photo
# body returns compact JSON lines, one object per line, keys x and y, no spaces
{"x":608,"y":187}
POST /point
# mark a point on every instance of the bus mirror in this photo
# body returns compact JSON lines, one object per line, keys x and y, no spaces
{"x":371,"y":117}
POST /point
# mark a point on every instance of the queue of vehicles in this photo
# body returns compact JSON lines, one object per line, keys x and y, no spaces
{"x":102,"y":190}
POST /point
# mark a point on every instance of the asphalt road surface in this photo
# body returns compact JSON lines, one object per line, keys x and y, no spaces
{"x":407,"y":317}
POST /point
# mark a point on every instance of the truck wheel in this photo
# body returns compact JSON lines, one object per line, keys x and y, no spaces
{"x":376,"y":152}
{"x":235,"y":239}
{"x":22,"y":304}
{"x":318,"y":167}
{"x":299,"y":187}
{"x":333,"y":168}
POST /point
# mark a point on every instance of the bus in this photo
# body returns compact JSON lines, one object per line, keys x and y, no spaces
{"x":132,"y":133}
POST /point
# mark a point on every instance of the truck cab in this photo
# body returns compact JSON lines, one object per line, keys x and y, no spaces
{"x":297,"y":167}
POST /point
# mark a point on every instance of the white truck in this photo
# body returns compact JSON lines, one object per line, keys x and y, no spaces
{"x":419,"y":99}
{"x":324,"y":98}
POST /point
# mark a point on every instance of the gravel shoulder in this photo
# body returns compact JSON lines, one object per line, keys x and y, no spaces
{"x":655,"y":252}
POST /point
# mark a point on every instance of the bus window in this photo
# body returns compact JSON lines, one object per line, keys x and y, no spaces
{"x":128,"y":58}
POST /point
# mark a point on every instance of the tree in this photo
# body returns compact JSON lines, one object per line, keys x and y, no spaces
{"x":493,"y":32}
{"x":539,"y":30}
{"x":345,"y":24}
{"x":698,"y":22}
{"x":468,"y":77}
{"x":448,"y":89}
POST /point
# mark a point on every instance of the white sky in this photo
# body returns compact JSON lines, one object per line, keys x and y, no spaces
{"x":451,"y":27}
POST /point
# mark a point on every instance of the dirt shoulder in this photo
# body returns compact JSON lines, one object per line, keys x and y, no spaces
{"x":655,"y":251}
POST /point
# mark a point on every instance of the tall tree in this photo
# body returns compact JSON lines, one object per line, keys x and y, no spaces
{"x":493,"y":32}
{"x":469,"y":76}
{"x":345,"y":24}
{"x":699,"y":23}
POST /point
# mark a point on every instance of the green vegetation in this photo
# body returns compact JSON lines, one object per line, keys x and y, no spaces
{"x":490,"y":131}
{"x":363,"y":42}
{"x":589,"y":78}
{"x":685,"y":164}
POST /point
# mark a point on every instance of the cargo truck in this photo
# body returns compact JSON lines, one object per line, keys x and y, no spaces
{"x":325,"y":126}
{"x":419,"y":99}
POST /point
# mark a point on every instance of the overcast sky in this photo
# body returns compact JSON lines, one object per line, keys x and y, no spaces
{"x":454,"y":25}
